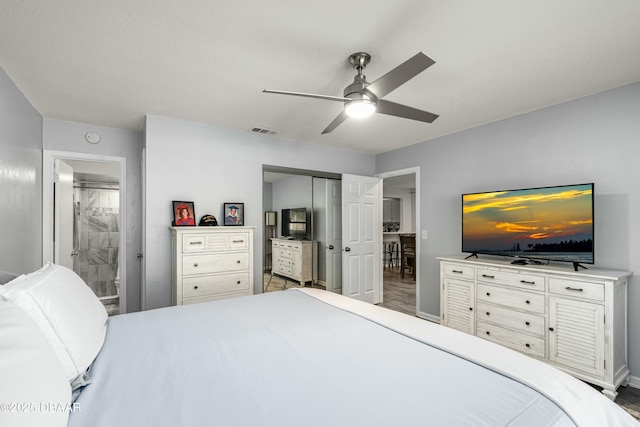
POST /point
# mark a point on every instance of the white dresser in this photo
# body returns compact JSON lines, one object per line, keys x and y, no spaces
{"x":576,"y":321}
{"x":211,"y":263}
{"x":295,"y":259}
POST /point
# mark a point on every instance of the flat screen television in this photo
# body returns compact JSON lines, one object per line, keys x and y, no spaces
{"x":294,"y":223}
{"x":548,"y":223}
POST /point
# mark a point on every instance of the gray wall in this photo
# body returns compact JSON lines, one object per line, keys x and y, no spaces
{"x":592,"y":139}
{"x":209,"y":166}
{"x":63,"y":135}
{"x":20,"y":180}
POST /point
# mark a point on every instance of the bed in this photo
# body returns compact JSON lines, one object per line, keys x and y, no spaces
{"x":293,"y":358}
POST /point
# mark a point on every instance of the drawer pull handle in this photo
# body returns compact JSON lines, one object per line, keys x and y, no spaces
{"x":457,"y":271}
{"x":528,"y":345}
{"x":488,"y":333}
{"x":488,"y":294}
{"x":195,"y":264}
{"x":238,"y":241}
{"x":488,"y":314}
{"x":488,"y":276}
{"x":470,"y":308}
{"x":238,"y":262}
{"x":527,"y":323}
{"x":238,"y":282}
{"x":195,"y":287}
{"x":527,"y":301}
{"x":526,"y":282}
{"x":551,"y":329}
{"x":195,"y":243}
{"x":569,"y":288}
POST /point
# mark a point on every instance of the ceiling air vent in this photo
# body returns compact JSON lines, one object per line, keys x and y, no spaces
{"x":265,"y":131}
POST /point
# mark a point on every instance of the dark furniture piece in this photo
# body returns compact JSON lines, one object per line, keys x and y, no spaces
{"x":408,"y":254}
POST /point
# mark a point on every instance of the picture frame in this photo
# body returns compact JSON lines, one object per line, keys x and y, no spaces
{"x":234,"y":213}
{"x":184,"y":214}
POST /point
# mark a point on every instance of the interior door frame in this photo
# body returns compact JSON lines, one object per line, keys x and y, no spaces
{"x":408,"y":171}
{"x":48,"y":179}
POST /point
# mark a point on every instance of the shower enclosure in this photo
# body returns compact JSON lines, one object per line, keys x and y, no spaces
{"x":96,"y":238}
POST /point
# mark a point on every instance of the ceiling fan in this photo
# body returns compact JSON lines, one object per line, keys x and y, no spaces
{"x":361,"y":98}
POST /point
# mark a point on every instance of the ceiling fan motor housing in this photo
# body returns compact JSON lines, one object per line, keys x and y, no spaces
{"x":361,"y":102}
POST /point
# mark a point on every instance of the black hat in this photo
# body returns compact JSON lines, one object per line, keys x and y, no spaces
{"x":208,"y":220}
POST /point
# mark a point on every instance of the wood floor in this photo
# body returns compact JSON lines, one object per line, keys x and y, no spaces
{"x":400,"y":295}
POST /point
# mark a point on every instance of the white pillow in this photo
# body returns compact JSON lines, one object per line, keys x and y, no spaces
{"x":66,"y":310}
{"x":6,"y":276}
{"x":33,"y":382}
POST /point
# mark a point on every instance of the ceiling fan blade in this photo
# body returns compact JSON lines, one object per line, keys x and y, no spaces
{"x":308,"y":95}
{"x":399,"y":110}
{"x":336,"y":122}
{"x":400,"y":75}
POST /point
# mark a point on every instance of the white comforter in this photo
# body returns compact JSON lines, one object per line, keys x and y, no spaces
{"x":313,"y":358}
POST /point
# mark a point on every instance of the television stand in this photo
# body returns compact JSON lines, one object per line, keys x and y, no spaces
{"x":543,"y":311}
{"x":577,"y":265}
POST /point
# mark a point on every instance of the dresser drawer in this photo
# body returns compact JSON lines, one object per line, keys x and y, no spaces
{"x":533,"y":346}
{"x":215,"y":263}
{"x":194,"y":243}
{"x":574,"y":288}
{"x":458,"y":271}
{"x":521,"y":321}
{"x":285,"y":269}
{"x":513,"y":298}
{"x":215,"y":242}
{"x":285,"y":244}
{"x":511,"y":278}
{"x":194,"y":287}
{"x":228,"y":241}
{"x":286,"y":253}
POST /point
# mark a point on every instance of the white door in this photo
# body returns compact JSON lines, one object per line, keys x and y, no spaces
{"x":63,"y":233}
{"x":362,"y":238}
{"x":333,"y":254}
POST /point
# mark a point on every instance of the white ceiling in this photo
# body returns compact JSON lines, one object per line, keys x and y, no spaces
{"x":111,"y":62}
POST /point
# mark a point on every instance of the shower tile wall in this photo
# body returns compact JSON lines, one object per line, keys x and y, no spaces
{"x":98,"y":239}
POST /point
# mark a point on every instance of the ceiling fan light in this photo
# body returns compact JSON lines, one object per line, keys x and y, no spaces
{"x":360,"y":108}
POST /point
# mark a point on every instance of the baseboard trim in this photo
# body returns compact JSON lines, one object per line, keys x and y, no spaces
{"x":634,"y":381}
{"x":429,"y":317}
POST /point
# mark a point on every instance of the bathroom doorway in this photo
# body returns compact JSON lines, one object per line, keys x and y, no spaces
{"x":84,"y":221}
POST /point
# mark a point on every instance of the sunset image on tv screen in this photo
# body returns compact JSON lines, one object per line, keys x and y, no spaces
{"x":554,"y":223}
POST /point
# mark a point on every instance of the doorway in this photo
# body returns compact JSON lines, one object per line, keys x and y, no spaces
{"x":84,"y":221}
{"x":401,"y":214}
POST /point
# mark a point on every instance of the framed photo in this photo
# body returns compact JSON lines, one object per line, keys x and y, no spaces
{"x":183,"y":214}
{"x":234,"y":214}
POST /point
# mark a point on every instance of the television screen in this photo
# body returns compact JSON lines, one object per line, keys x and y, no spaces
{"x":551,"y":223}
{"x":294,"y":223}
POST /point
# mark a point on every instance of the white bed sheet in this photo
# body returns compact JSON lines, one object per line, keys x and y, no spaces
{"x":292,"y":359}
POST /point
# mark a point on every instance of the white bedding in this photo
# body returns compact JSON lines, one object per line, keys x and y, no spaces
{"x":313,"y":358}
